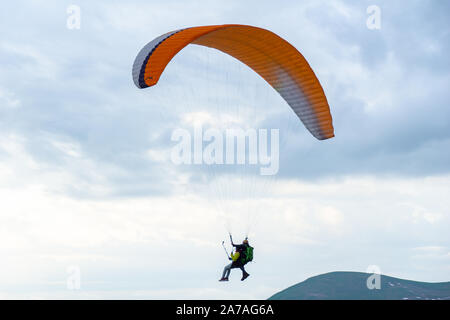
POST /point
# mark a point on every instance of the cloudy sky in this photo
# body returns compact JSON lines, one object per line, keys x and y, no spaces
{"x":88,"y":190}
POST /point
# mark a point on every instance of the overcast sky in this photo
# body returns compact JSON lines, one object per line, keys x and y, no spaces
{"x":87,"y":184}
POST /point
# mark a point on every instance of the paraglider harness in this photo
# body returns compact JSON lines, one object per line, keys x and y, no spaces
{"x":245,"y":256}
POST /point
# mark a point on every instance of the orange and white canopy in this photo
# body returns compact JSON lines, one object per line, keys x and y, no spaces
{"x":272,"y":57}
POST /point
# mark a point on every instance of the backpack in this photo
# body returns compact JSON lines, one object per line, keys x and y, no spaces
{"x":248,"y":255}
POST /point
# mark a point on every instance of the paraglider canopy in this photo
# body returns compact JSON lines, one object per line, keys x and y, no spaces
{"x":272,"y":57}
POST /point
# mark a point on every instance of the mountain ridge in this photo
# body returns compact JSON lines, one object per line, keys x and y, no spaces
{"x":349,"y":285}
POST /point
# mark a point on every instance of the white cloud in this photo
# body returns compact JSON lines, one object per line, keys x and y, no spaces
{"x":8,"y":99}
{"x":36,"y":62}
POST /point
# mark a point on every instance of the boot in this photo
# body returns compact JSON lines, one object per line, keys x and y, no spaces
{"x":245,"y":276}
{"x":224,"y":279}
